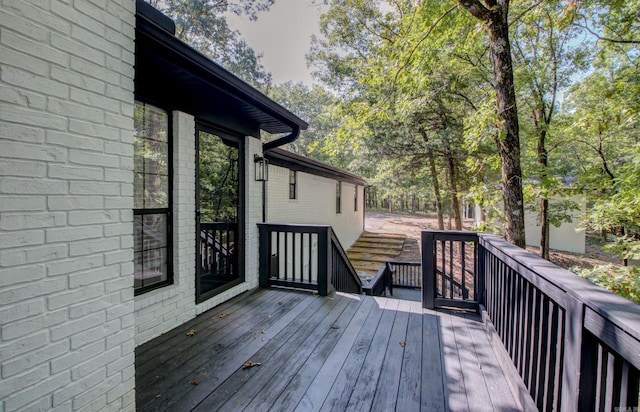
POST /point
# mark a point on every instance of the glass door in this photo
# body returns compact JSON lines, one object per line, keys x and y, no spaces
{"x":219,"y":191}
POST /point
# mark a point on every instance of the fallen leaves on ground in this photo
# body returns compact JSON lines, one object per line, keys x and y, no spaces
{"x":193,"y":382}
{"x":224,"y":315}
{"x":250,"y":364}
{"x":191,"y":332}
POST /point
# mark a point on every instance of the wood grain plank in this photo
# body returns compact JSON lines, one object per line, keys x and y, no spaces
{"x":323,"y":382}
{"x":453,"y":376}
{"x":268,"y":354}
{"x":218,"y":365}
{"x":493,"y":378}
{"x":301,"y":382}
{"x":179,"y":354}
{"x":433,"y":391}
{"x":340,"y":392}
{"x":367,"y":382}
{"x":150,"y":351}
{"x":271,"y":380}
{"x":410,"y":375}
{"x":387,"y":391}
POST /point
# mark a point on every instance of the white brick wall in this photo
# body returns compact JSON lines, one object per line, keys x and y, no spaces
{"x":163,"y":309}
{"x":315,"y":204}
{"x":66,"y":235}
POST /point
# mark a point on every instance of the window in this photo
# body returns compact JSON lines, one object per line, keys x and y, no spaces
{"x":151,"y":198}
{"x":355,"y":198}
{"x":338,"y":197}
{"x":293,"y":180}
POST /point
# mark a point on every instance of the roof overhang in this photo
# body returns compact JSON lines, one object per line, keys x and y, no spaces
{"x":174,"y":76}
{"x":284,"y":158}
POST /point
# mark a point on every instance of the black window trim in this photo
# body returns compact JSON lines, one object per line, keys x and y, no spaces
{"x":168,"y":211}
{"x":338,"y":197}
{"x":293,"y":187}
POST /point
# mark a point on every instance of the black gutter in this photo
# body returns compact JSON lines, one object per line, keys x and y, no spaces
{"x":283,"y":140}
{"x":289,"y":160}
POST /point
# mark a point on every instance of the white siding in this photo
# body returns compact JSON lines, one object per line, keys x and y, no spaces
{"x":567,"y":237}
{"x":66,"y":198}
{"x":315,"y":203}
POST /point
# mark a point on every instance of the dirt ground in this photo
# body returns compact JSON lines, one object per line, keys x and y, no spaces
{"x":412,"y":225}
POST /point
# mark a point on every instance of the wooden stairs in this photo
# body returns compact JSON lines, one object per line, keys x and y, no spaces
{"x":369,"y":253}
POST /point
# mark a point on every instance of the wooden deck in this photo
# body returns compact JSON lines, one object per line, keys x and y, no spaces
{"x":343,"y":352}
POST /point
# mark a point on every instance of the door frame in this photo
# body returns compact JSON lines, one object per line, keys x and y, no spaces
{"x":240,"y":247}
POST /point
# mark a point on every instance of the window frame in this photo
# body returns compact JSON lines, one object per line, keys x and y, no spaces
{"x":293,"y":187}
{"x":166,"y":211}
{"x":355,"y":198}
{"x":338,"y":197}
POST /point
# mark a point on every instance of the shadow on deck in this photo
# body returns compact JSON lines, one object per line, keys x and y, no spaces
{"x":342,"y":352}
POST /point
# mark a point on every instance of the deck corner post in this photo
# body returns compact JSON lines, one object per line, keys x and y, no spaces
{"x":324,"y":261}
{"x":573,"y":354}
{"x":428,"y":271}
{"x":264,"y":247}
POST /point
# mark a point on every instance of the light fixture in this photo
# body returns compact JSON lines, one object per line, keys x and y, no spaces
{"x":262,"y":168}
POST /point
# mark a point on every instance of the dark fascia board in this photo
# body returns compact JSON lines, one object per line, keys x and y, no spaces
{"x":154,"y":25}
{"x":289,"y":160}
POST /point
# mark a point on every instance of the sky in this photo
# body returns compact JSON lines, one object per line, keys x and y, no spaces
{"x":283,"y":36}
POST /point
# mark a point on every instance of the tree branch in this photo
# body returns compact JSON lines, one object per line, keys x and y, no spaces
{"x":607,"y":39}
{"x":477,"y":9}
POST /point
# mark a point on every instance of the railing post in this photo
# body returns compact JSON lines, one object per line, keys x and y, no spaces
{"x":480,"y":272}
{"x":324,"y":261}
{"x":265,"y":249}
{"x":428,"y":271}
{"x":572,"y":362}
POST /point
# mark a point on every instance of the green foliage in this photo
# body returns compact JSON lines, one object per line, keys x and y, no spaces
{"x":203,"y":25}
{"x":625,"y":247}
{"x":623,"y":281}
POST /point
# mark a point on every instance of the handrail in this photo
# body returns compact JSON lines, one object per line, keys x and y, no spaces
{"x":343,"y":275}
{"x":574,"y":345}
{"x":305,"y":257}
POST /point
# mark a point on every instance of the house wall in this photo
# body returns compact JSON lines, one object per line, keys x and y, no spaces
{"x":315,"y":204}
{"x":66,"y":199}
{"x":566,"y":237}
{"x":161,"y":310}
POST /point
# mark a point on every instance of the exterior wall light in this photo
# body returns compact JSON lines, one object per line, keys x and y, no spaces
{"x":262,"y":168}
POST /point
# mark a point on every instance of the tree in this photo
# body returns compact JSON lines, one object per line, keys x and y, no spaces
{"x":494,"y":15}
{"x":314,"y":105}
{"x":203,"y":25}
{"x":546,"y":56}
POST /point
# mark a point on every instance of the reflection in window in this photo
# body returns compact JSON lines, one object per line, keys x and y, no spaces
{"x":151,"y":194}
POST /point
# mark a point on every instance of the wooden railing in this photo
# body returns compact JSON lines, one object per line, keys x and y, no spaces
{"x":452,"y":258}
{"x":217,"y":248}
{"x":305,"y":257}
{"x":573,"y":345}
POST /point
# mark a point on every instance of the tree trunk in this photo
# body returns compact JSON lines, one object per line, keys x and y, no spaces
{"x":543,"y":161}
{"x":455,"y":201}
{"x":436,"y":191}
{"x":508,"y":140}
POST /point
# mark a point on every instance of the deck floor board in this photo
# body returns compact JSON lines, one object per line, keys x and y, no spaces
{"x":344,"y":352}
